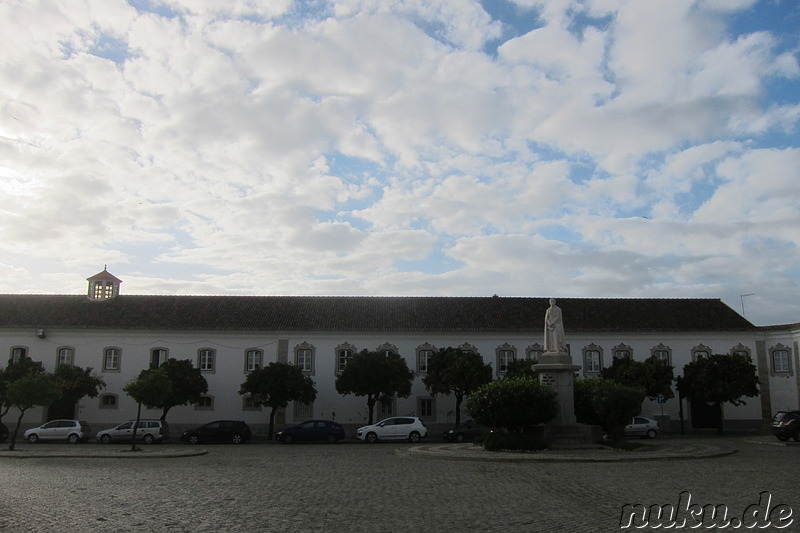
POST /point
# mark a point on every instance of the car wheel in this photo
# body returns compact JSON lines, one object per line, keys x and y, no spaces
{"x":237,"y":439}
{"x":651,"y":433}
{"x":414,"y":437}
{"x":781,"y":438}
{"x":194,"y":439}
{"x":33,"y":438}
{"x":105,"y":439}
{"x":371,"y":438}
{"x":148,"y":438}
{"x":288,"y":439}
{"x":460,"y":437}
{"x":332,"y":439}
{"x":74,"y":439}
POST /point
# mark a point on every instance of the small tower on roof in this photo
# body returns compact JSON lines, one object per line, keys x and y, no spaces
{"x":103,"y":285}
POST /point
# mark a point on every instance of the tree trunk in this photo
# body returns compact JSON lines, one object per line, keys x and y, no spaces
{"x":13,"y":443}
{"x":135,"y":427}
{"x":371,"y":407}
{"x":271,"y":423}
{"x":459,"y":399}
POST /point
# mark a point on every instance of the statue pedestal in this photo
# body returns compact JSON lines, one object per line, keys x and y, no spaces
{"x":555,"y":369}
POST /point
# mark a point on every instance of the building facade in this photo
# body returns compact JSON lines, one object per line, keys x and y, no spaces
{"x":228,"y":336}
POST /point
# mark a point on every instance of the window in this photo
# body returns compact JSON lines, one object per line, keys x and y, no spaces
{"x":468,"y":348}
{"x":389,"y":408}
{"x":741,"y":350}
{"x":158,"y":356}
{"x":424,"y":354}
{"x":781,"y":359}
{"x":66,"y":356}
{"x":111,"y":360}
{"x":426,"y":408}
{"x":304,"y":358}
{"x":506,"y":354}
{"x":592,"y":359}
{"x":102,"y":290}
{"x":205,"y":360}
{"x":302,"y":411}
{"x":253,"y":360}
{"x":388,"y":349}
{"x":700,"y":351}
{"x":623,"y":351}
{"x":17,"y":353}
{"x":344,"y":352}
{"x":206,"y":403}
{"x":248,"y":404}
{"x":534,"y":352}
{"x":662,"y":353}
{"x":109,"y":401}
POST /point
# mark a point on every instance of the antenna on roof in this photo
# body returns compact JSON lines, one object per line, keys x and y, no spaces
{"x":742,"y":297}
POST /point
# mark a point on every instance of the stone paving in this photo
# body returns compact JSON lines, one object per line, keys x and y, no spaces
{"x":384,"y":487}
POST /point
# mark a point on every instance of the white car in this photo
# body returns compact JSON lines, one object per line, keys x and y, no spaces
{"x":641,"y":426}
{"x":408,"y":428}
{"x":72,"y":431}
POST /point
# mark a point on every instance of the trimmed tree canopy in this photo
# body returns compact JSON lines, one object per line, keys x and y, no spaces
{"x":720,"y":378}
{"x":187,"y":384}
{"x":454,"y":371}
{"x":516,"y":404}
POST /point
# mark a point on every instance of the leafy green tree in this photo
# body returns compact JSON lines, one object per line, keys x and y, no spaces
{"x":188,"y":384}
{"x":376,"y":375}
{"x":34,"y":388}
{"x":277,"y":384}
{"x":12,"y":372}
{"x":517,"y":404}
{"x":152,"y":387}
{"x":720,"y":378}
{"x":653,"y":375}
{"x":520,"y":367}
{"x":457,"y":372}
{"x":76,"y":382}
{"x":607,"y":403}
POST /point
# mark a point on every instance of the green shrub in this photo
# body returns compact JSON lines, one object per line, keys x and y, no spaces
{"x":516,"y":404}
{"x":516,"y":442}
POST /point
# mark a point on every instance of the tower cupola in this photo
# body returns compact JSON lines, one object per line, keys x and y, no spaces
{"x":103,"y":285}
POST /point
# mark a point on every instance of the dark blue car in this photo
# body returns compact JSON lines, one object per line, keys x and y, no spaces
{"x":312,"y":431}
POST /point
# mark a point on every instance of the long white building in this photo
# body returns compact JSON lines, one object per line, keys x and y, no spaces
{"x":228,"y":336}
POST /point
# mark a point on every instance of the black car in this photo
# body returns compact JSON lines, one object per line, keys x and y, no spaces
{"x":312,"y":431}
{"x":3,"y":432}
{"x":466,"y":431}
{"x":786,"y":425}
{"x":235,"y":431}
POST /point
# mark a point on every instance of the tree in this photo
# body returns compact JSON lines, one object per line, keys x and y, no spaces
{"x":12,"y":372}
{"x":517,"y":404}
{"x":76,"y":383}
{"x":152,"y":387}
{"x":34,"y":388}
{"x":520,"y":367}
{"x":277,"y":384}
{"x":457,"y":372}
{"x":607,"y":403}
{"x":654,"y":376}
{"x":188,"y":384}
{"x":720,"y":378}
{"x":376,"y":375}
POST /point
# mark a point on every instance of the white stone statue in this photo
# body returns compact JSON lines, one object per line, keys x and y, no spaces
{"x":554,"y":330}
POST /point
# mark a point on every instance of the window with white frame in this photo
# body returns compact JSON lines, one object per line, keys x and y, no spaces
{"x":158,"y":356}
{"x":592,"y":359}
{"x":506,"y":354}
{"x":424,"y":354}
{"x":66,"y":356}
{"x":700,"y":351}
{"x":344,"y":352}
{"x":534,"y":352}
{"x":781,"y":359}
{"x":109,"y":401}
{"x":111,"y":360}
{"x":304,"y":358}
{"x":388,"y":408}
{"x":387,"y":349}
{"x":623,"y":351}
{"x":426,"y":409}
{"x":468,"y":348}
{"x":249,"y":404}
{"x":253,"y":360}
{"x":662,"y":353}
{"x":302,"y":411}
{"x":205,"y":359}
{"x":18,"y":353}
{"x":206,"y":403}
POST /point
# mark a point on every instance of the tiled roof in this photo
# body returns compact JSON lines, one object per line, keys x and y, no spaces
{"x":367,"y":314}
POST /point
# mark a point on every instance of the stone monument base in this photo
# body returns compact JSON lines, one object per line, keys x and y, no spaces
{"x":573,"y":436}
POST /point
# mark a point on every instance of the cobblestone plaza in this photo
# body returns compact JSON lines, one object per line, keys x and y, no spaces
{"x":368,"y":488}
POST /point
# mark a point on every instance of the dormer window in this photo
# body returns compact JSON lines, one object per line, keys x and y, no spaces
{"x":103,"y":286}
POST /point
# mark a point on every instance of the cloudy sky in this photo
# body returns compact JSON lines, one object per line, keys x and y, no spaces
{"x":582,"y":148}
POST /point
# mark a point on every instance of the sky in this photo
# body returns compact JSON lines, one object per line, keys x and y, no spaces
{"x":565,"y":148}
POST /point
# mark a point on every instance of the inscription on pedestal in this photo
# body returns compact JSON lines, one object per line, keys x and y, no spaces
{"x":546,"y":378}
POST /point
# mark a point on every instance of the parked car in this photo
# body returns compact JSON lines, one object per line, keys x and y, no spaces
{"x":467,"y":430}
{"x":3,"y":432}
{"x":148,"y":431}
{"x":72,"y":431}
{"x":786,"y":425}
{"x":394,"y":428}
{"x":641,"y":426}
{"x":235,"y":431}
{"x":312,"y":430}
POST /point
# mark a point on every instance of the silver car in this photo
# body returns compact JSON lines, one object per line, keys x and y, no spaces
{"x":148,"y":431}
{"x":72,"y":431}
{"x":408,"y":428}
{"x":641,"y":426}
